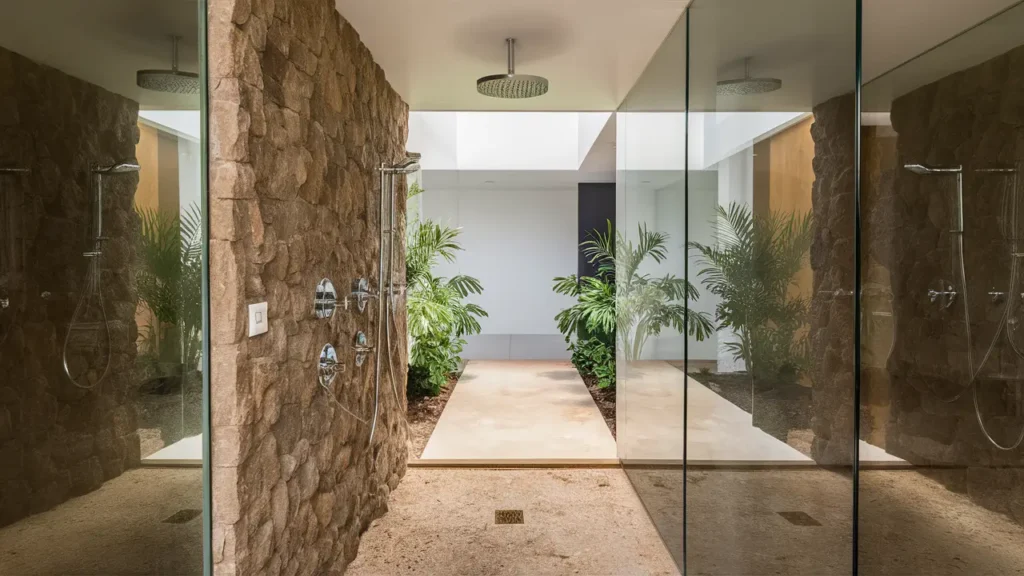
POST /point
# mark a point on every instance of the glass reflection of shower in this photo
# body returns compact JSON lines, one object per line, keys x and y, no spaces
{"x":946,"y":294}
{"x":10,"y":261}
{"x":386,"y":274}
{"x":86,"y":351}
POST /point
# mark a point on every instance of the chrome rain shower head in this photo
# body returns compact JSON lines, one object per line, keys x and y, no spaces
{"x":512,"y":85}
{"x":747,"y":86}
{"x":119,"y":168}
{"x":174,"y":81}
{"x":923,"y":170}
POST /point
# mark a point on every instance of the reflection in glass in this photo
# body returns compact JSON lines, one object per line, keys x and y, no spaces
{"x":943,"y":373}
{"x":101,"y":243}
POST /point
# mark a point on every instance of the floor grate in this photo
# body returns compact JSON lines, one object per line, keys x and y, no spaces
{"x":182,"y":516}
{"x":800,"y":518}
{"x":509,"y":517}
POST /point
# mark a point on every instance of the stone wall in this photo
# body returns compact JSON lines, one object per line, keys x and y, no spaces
{"x":832,"y":263}
{"x":300,"y":118}
{"x":973,"y":118}
{"x":58,"y":440}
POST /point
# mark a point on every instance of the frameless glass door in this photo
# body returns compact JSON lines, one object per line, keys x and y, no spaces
{"x":102,"y":236}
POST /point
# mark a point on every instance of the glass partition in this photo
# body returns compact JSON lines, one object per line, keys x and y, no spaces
{"x":651,"y":287}
{"x":102,"y":240}
{"x":942,"y":370}
{"x":770,"y":406}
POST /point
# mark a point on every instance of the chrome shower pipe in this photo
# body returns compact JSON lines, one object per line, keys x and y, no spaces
{"x":380,"y":303}
{"x":13,"y":170}
{"x":100,"y":171}
{"x":386,"y":273}
{"x":973,"y":371}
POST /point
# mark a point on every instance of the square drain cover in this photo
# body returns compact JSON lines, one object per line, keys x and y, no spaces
{"x":508,"y":517}
{"x":800,"y":518}
{"x":182,"y":516}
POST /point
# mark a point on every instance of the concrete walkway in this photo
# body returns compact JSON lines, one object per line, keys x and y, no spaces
{"x":520,"y":410}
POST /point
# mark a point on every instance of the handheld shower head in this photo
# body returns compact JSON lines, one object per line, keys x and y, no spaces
{"x":119,"y":168}
{"x":922,"y":170}
{"x":407,"y":165}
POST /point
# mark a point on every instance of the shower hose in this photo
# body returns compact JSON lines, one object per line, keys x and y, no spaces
{"x":974,"y":372}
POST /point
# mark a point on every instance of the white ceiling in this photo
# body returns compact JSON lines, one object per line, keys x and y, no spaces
{"x":808,"y":44}
{"x":106,"y":41}
{"x":591,"y":51}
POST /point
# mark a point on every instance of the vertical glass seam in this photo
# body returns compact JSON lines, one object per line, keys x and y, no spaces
{"x":204,"y":199}
{"x":686,"y":265}
{"x":857,"y":280}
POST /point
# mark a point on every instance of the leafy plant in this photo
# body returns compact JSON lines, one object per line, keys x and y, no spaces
{"x":438,"y":316}
{"x":625,"y":302}
{"x":168,"y":280}
{"x":751,"y":269}
{"x":621,"y":304}
{"x":595,"y":357}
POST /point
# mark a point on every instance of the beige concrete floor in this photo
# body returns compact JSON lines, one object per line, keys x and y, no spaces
{"x":910,"y":525}
{"x":651,"y":427}
{"x":650,"y":424}
{"x":441,"y":522}
{"x":114,"y":531}
{"x":520,"y":410}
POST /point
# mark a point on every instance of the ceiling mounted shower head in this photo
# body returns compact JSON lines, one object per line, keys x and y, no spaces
{"x":512,"y":85}
{"x":747,"y":86}
{"x":173,"y":80}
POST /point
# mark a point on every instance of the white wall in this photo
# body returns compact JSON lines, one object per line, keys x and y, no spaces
{"x":735,"y":184}
{"x":516,"y":241}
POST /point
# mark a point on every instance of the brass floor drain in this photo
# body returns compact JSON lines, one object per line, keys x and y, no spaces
{"x":508,"y":517}
{"x":182,"y":516}
{"x":800,"y":518}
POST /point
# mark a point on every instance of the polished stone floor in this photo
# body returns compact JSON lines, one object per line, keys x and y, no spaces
{"x":118,"y":530}
{"x":799,"y":521}
{"x":442,"y":522}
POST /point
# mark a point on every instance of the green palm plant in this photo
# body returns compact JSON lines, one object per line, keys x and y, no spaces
{"x":438,"y":315}
{"x":622,"y":301}
{"x":751,"y":268}
{"x":168,"y":281}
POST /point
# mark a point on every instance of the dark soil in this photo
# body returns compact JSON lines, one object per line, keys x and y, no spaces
{"x":777,"y":409}
{"x":734,"y":387}
{"x":423,"y":414}
{"x":605,"y":400}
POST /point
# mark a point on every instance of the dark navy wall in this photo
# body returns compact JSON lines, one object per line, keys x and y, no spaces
{"x":596,"y":208}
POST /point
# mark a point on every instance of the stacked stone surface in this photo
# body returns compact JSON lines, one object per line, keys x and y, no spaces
{"x":300,"y":118}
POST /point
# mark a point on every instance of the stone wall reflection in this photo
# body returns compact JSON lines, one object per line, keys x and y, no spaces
{"x":58,"y":440}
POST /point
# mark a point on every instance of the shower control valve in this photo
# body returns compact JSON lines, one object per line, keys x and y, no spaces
{"x":997,"y":297}
{"x":360,"y":294}
{"x":945,"y":296}
{"x":328,"y":367}
{"x":362,"y":348}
